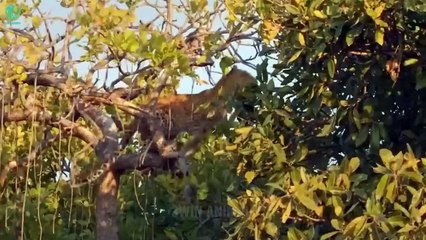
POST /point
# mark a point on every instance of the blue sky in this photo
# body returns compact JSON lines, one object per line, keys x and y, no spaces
{"x":52,"y":8}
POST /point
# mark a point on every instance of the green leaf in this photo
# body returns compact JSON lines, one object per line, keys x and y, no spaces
{"x":420,"y":80}
{"x":379,"y":36}
{"x":396,"y":221}
{"x":400,"y":208}
{"x":331,"y":67}
{"x":375,"y":138}
{"x":111,"y":110}
{"x":279,"y":152}
{"x":328,"y":235}
{"x":225,"y":63}
{"x":295,"y":234}
{"x":356,"y":118}
{"x":271,"y":229}
{"x":292,"y":9}
{"x":301,"y":153}
{"x":295,"y":56}
{"x":362,"y":136}
{"x":236,"y":207}
{"x":336,"y":224}
{"x":380,"y":189}
{"x":407,"y":228}
{"x":352,"y":34}
{"x":170,"y":235}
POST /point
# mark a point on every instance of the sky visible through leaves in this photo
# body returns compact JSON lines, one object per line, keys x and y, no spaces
{"x":52,"y":8}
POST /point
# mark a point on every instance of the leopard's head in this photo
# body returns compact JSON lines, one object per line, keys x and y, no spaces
{"x":235,"y":82}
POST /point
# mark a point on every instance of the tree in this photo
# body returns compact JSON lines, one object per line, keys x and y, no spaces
{"x":337,"y":151}
{"x":56,"y":121}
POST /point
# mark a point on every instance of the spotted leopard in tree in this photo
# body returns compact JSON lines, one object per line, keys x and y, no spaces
{"x":195,"y":114}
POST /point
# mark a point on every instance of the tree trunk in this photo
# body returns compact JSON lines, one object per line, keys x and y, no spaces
{"x":107,"y":207}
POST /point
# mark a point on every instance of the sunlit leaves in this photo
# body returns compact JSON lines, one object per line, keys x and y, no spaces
{"x":381,"y":186}
{"x":33,"y":53}
{"x":286,"y":213}
{"x":352,"y":34}
{"x":198,"y":5}
{"x":301,"y":39}
{"x":249,"y":176}
{"x":379,"y":36}
{"x":234,"y":8}
{"x":269,"y":30}
{"x":410,"y":61}
{"x":225,"y":63}
{"x":295,"y":56}
{"x":319,"y":14}
{"x":36,"y":21}
{"x":354,"y":164}
{"x":356,"y":226}
{"x":292,"y":9}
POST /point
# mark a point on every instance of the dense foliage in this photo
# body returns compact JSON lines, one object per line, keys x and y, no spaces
{"x":335,"y":150}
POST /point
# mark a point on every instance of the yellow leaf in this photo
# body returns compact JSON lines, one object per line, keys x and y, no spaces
{"x":301,"y":39}
{"x":23,"y":77}
{"x":270,"y":30}
{"x":231,"y":147}
{"x":380,"y":189}
{"x":271,"y":229}
{"x":243,"y":130}
{"x":19,"y":69}
{"x":319,"y":14}
{"x":410,"y":61}
{"x":295,"y":56}
{"x":286,"y":213}
{"x":338,"y":205}
{"x":391,"y":191}
{"x":379,"y":36}
{"x":353,"y":164}
{"x":354,"y":225}
{"x":36,"y":20}
{"x":104,"y":12}
{"x":386,"y":155}
{"x":422,"y":210}
{"x":306,"y":200}
{"x":249,"y":176}
{"x":32,"y":53}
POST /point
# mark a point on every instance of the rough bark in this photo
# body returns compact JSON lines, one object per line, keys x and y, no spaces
{"x":107,"y":207}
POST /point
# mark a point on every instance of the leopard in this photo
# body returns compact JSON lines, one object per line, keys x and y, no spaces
{"x":194,"y":114}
